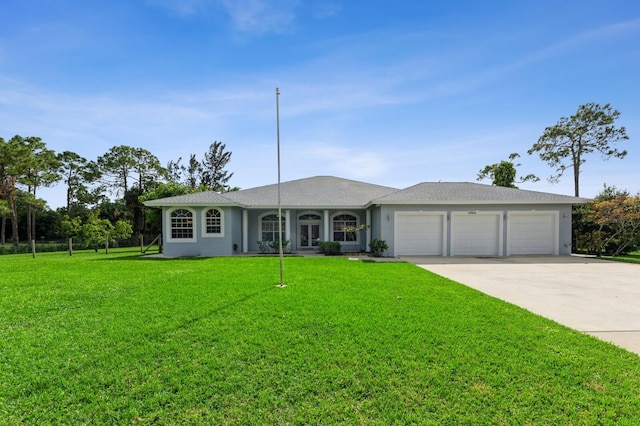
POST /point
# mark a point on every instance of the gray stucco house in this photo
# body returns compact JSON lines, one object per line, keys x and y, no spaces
{"x":431,"y":218}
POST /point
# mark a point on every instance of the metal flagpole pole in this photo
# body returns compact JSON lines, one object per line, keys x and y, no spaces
{"x":279,"y":200}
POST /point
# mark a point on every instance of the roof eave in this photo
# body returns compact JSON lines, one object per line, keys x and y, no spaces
{"x":300,"y":207}
{"x":196,"y":204}
{"x":482,"y":202}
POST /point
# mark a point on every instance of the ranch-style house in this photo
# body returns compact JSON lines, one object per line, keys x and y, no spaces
{"x":430,"y":219}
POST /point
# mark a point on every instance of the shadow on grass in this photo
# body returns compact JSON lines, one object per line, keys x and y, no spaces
{"x":188,"y":323}
{"x":139,"y":257}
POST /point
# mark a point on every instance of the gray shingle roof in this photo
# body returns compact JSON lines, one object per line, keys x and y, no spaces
{"x":318,"y":191}
{"x":208,"y":198}
{"x":329,"y":191}
{"x":466,"y":192}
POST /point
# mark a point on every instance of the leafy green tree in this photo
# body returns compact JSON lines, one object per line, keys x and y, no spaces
{"x":113,"y":210}
{"x":116,"y":167}
{"x":71,"y":227}
{"x":40,"y":170}
{"x":133,"y":171}
{"x":78,"y":174}
{"x":504,"y":173}
{"x":589,"y":235}
{"x":121,"y":231}
{"x":96,"y":232}
{"x":13,"y":155}
{"x":162,"y":190}
{"x":616,"y":222}
{"x":148,"y":170}
{"x":175,"y":170}
{"x":123,"y":165}
{"x":136,"y":209}
{"x":190,"y":175}
{"x":194,"y":172}
{"x":214,"y":175}
{"x":4,"y":211}
{"x":567,"y":143}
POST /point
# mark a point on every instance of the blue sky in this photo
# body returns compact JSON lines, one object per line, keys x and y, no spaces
{"x":388,"y":92}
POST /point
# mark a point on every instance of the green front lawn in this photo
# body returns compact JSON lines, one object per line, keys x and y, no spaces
{"x":118,"y":338}
{"x":628,"y":258}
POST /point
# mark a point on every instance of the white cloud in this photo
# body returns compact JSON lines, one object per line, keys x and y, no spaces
{"x":584,"y":39}
{"x":323,"y":10}
{"x":261,"y":16}
{"x":328,"y":158}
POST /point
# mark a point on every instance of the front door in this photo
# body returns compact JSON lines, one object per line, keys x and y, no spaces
{"x":309,"y":234}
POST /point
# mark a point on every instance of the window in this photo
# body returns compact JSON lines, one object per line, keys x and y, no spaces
{"x":213,"y":221}
{"x":310,"y":216}
{"x":269,"y":228}
{"x":340,"y":224}
{"x":181,"y":224}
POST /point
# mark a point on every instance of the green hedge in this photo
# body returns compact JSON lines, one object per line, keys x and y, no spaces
{"x":329,"y":248}
{"x":40,"y":248}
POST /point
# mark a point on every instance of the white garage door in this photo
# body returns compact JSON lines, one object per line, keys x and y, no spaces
{"x":532,"y":233}
{"x":419,"y":233}
{"x":476,"y":233}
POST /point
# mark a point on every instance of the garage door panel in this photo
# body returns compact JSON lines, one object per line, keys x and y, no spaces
{"x":476,"y":234}
{"x":532,"y":233}
{"x":419,"y":234}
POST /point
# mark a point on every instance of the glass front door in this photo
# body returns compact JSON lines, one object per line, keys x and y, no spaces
{"x":309,"y":234}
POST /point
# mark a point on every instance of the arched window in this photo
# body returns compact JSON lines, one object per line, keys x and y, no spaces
{"x":269,"y":227}
{"x":309,"y":216}
{"x":181,"y":224}
{"x":341,"y":223}
{"x":213,"y":222}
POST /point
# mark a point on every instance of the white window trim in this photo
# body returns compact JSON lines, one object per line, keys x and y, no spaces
{"x":284,"y":216}
{"x":168,"y":226}
{"x":203,"y":214}
{"x":331,"y":232}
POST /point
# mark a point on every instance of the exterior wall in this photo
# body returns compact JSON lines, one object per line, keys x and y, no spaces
{"x":236,"y":230}
{"x":564,"y":221}
{"x":376,"y":223}
{"x":254,"y":216}
{"x":381,"y":221}
{"x":203,"y":245}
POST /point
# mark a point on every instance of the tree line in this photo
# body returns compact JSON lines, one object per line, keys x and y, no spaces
{"x":104,"y":197}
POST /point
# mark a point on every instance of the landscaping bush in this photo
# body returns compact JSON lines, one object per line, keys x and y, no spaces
{"x":26,"y":248}
{"x":378,"y":247}
{"x":274,"y":246}
{"x":329,"y":248}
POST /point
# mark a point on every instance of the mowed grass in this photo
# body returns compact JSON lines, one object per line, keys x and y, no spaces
{"x":119,"y":338}
{"x":633,"y":257}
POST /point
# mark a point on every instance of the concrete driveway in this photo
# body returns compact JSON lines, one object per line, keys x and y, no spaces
{"x":594,"y":296}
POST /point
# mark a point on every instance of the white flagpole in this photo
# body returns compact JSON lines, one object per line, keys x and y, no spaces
{"x":279,"y":200}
